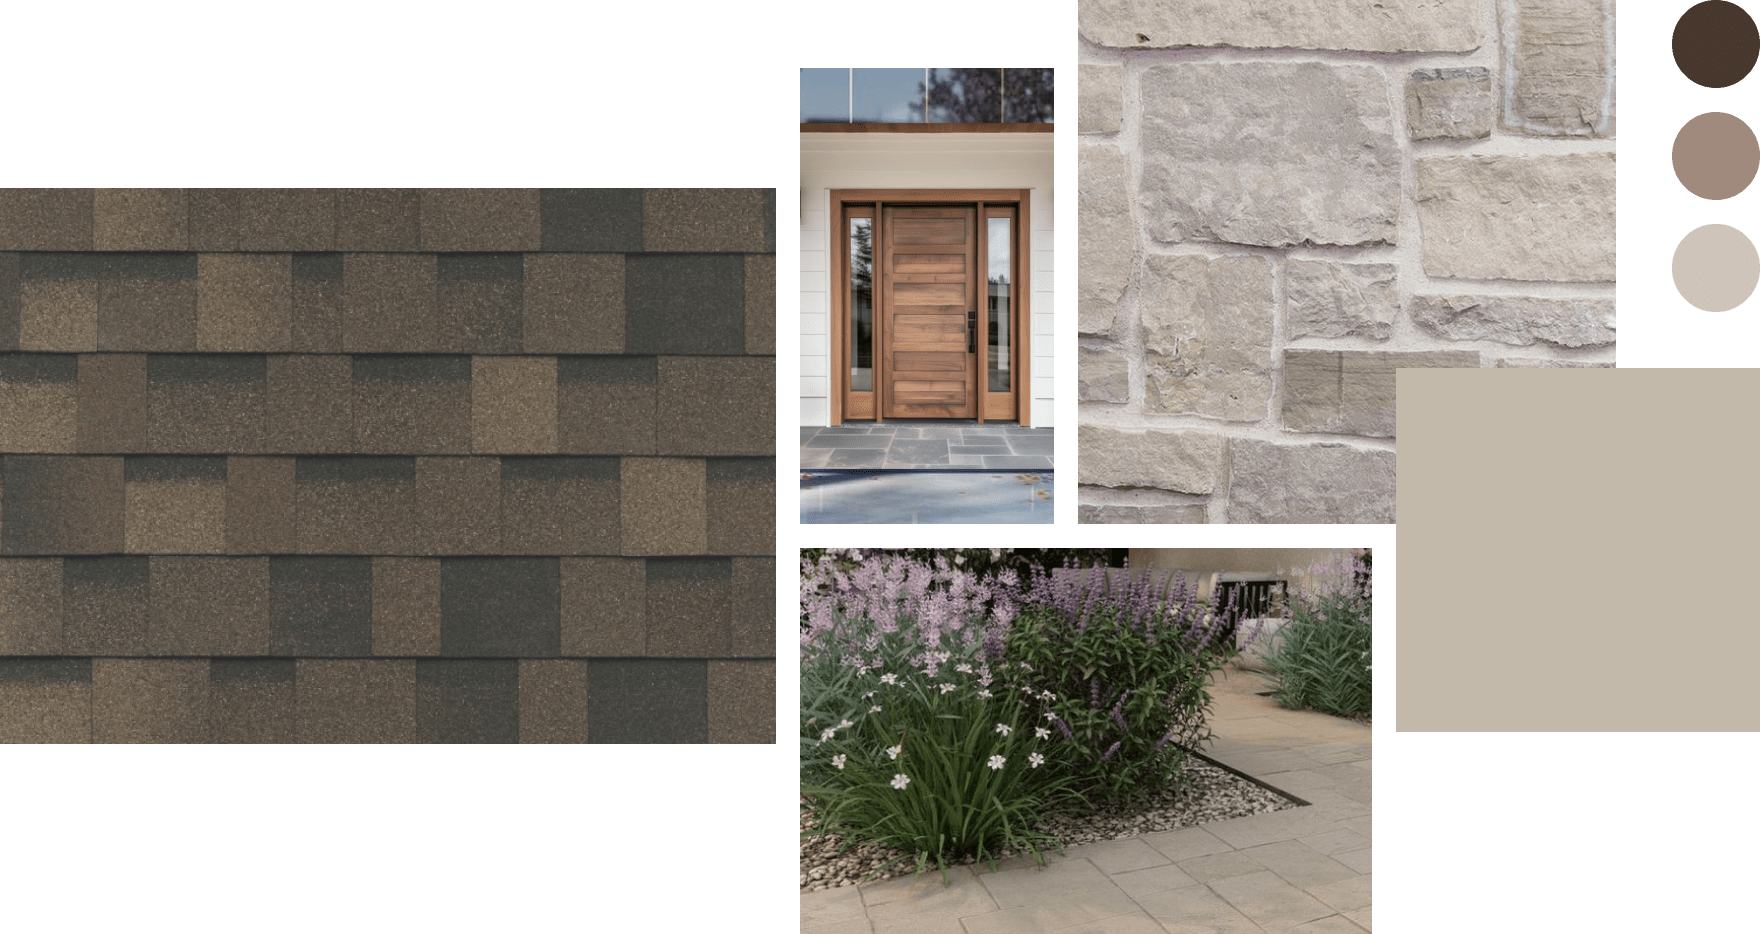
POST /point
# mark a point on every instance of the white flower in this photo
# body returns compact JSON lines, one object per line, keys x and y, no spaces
{"x":867,"y":695}
{"x":1041,"y":732}
{"x":893,"y":752}
{"x":996,"y":762}
{"x":1050,"y":715}
{"x":827,"y":735}
{"x":964,"y":668}
{"x":839,"y":761}
{"x":1047,"y":697}
{"x":889,"y":678}
{"x":874,"y":709}
{"x":1003,"y":728}
{"x":983,"y":693}
{"x":1036,"y":760}
{"x":845,"y":725}
{"x":946,"y":687}
{"x":900,"y":780}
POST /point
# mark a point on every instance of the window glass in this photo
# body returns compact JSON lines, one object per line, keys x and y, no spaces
{"x":1000,"y":276}
{"x":1027,"y":95}
{"x":889,"y":95}
{"x":824,"y":95}
{"x":965,"y":95}
{"x":861,"y":304}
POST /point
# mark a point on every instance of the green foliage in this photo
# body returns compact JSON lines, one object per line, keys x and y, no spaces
{"x":1321,"y":657}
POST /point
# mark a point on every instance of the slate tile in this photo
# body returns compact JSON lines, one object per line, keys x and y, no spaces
{"x":742,"y":701}
{"x":149,"y":700}
{"x":560,"y":505}
{"x":62,"y":505}
{"x":251,"y":700}
{"x":30,"y":606}
{"x":140,"y":219}
{"x":412,"y":405}
{"x":604,"y":606}
{"x":480,"y":220}
{"x":665,"y":506}
{"x":717,"y":405}
{"x":705,"y":220}
{"x":206,"y":403}
{"x":311,"y":404}
{"x":606,"y":405}
{"x":480,"y":302}
{"x":354,"y":505}
{"x":147,"y":302}
{"x":684,"y":304}
{"x":175,"y":505}
{"x":260,"y":505}
{"x":356,"y":700}
{"x":321,"y":607}
{"x":106,"y":605}
{"x":573,"y":303}
{"x":742,"y":506}
{"x":316,"y":325}
{"x":458,"y":506}
{"x":208,"y":605}
{"x":406,"y":606}
{"x":378,"y":220}
{"x":513,"y":405}
{"x":389,"y":303}
{"x":761,"y":304}
{"x":286,"y":219}
{"x":591,"y":220}
{"x":10,"y":285}
{"x":500,"y":607}
{"x":752,"y":622}
{"x":472,"y":700}
{"x":112,"y":404}
{"x":45,"y":700}
{"x":689,"y":602}
{"x":244,"y":302}
{"x":552,"y":700}
{"x":58,"y":314}
{"x":39,"y":403}
{"x":45,"y":218}
{"x":647,"y":700}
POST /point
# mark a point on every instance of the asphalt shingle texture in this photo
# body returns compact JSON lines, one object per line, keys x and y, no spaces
{"x":387,"y":465}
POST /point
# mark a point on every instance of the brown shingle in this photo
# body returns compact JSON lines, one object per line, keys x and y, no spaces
{"x":479,"y":302}
{"x":553,"y":700}
{"x":176,"y":505}
{"x":112,"y":403}
{"x":259,"y":505}
{"x":704,"y":220}
{"x":105,"y":605}
{"x":45,"y":700}
{"x":412,"y":405}
{"x":317,"y":302}
{"x":378,"y":219}
{"x":742,"y":506}
{"x":150,"y":700}
{"x":209,"y":606}
{"x":689,"y":601}
{"x":388,"y":303}
{"x":140,"y":219}
{"x":206,"y":403}
{"x":761,"y":304}
{"x":213,"y":219}
{"x":664,"y":506}
{"x":355,"y":505}
{"x":753,"y":618}
{"x":30,"y":606}
{"x":406,"y":606}
{"x":62,"y":505}
{"x":311,"y":404}
{"x":717,"y":405}
{"x":356,"y":700}
{"x":58,"y":314}
{"x":513,"y":405}
{"x":39,"y":403}
{"x":147,"y":302}
{"x":458,"y":505}
{"x":244,"y":301}
{"x":286,"y":219}
{"x":742,"y":701}
{"x":604,"y":606}
{"x":10,"y":283}
{"x":250,"y":700}
{"x":46,"y":218}
{"x":481,"y":220}
{"x":605,"y":405}
{"x":573,"y":303}
{"x":559,"y":505}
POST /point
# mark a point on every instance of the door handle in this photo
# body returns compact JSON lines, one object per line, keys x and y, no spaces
{"x":972,"y":331}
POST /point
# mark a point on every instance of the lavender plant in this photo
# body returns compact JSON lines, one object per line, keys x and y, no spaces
{"x":1321,"y":658}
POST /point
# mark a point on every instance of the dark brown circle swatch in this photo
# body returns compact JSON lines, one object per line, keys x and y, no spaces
{"x":1715,"y":43}
{"x":1716,"y":156}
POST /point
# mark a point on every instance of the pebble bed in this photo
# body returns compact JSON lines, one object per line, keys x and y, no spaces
{"x":1214,"y":794}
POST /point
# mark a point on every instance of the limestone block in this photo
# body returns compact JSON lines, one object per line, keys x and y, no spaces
{"x":1114,"y":514}
{"x":1107,"y":238}
{"x":1326,"y":299}
{"x":1183,"y":461}
{"x":1450,"y":103}
{"x":1351,"y":392}
{"x":1420,"y":26}
{"x":1567,"y":322}
{"x":1527,"y":363}
{"x":1269,"y":153}
{"x":1309,"y":483}
{"x":1103,"y":375}
{"x":1207,"y":326}
{"x":1101,"y":102}
{"x":1560,"y":53}
{"x":1547,"y":218}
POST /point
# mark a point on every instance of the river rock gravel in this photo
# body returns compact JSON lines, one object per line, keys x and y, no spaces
{"x":1214,"y":794}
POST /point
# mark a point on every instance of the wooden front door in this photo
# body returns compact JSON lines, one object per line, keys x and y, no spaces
{"x":929,"y":307}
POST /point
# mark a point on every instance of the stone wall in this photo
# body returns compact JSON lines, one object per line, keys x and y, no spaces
{"x":1280,"y":208}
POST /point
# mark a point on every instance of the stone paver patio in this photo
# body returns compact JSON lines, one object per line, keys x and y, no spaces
{"x":1300,"y":871}
{"x":914,"y":444}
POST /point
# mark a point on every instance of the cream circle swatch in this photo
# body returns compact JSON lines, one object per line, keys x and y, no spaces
{"x":1716,"y":156}
{"x":1716,"y":267}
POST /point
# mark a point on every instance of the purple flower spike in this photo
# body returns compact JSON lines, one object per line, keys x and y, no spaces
{"x":1112,"y":749}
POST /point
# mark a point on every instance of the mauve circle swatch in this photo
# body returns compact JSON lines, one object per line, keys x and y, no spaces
{"x":1716,"y":268}
{"x":1715,"y":43}
{"x":1716,"y":156}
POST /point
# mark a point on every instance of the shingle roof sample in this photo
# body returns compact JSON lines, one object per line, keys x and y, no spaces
{"x":387,"y":465}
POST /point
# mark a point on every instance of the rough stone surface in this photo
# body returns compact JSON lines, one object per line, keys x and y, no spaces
{"x":1349,"y":392}
{"x":1512,"y":319}
{"x":1101,"y":106}
{"x":1423,"y":26}
{"x":1545,"y":218}
{"x":1559,"y":67}
{"x":1112,"y":514}
{"x":1219,"y":164}
{"x":1450,"y":103}
{"x":1340,"y":299}
{"x":1309,"y":483}
{"x":1207,"y":326}
{"x":1104,"y":375}
{"x":1107,"y":236}
{"x":1528,"y":363}
{"x":1184,"y":461}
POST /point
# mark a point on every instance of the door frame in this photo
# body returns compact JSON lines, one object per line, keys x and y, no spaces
{"x":1020,"y":326}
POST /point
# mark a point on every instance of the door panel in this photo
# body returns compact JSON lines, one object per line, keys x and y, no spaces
{"x":930,"y":360}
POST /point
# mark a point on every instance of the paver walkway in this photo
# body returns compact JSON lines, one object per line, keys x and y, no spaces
{"x":1302,"y":871}
{"x":914,"y":444}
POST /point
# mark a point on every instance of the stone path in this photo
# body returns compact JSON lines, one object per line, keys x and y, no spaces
{"x":915,"y":444}
{"x":1300,"y":871}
